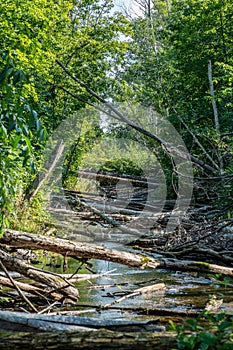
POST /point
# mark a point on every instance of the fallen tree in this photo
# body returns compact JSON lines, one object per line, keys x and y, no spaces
{"x":101,"y":339}
{"x":20,"y":239}
{"x":69,"y":323}
{"x":60,"y":287}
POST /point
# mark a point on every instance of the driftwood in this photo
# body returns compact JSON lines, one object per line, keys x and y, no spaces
{"x":74,"y":332}
{"x":21,"y":293}
{"x":90,"y":251}
{"x":196,"y":266}
{"x":155,"y":311}
{"x":28,"y":288}
{"x":109,"y":220}
{"x":24,"y":286}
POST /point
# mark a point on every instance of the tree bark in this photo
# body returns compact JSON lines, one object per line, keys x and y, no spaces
{"x":26,"y":287}
{"x":92,"y":340}
{"x":75,"y":249}
{"x":57,"y":284}
{"x":91,"y":251}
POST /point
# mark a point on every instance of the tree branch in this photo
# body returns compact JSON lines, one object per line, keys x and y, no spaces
{"x":169,"y":147}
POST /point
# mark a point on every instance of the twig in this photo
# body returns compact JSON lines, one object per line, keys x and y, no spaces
{"x":47,"y":308}
{"x":17,"y":288}
{"x":139,"y":291}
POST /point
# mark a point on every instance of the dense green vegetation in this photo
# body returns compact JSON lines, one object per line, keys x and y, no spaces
{"x":214,"y":334}
{"x":174,"y":57}
{"x":167,"y":69}
{"x":33,"y":103}
{"x":165,"y":58}
{"x":158,"y":59}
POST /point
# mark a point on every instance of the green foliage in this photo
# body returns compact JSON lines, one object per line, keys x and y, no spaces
{"x":221,"y":280}
{"x":201,"y":31}
{"x":159,"y":59}
{"x":121,"y":166}
{"x":168,"y":65}
{"x":21,"y":132}
{"x":86,"y":37}
{"x":166,"y":68}
{"x":79,"y":148}
{"x":205,"y":332}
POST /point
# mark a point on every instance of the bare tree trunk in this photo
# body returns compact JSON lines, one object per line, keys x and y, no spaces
{"x":91,"y":251}
{"x":216,"y":118}
{"x":34,"y":187}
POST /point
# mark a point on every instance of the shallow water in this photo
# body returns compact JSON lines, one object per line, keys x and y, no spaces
{"x":184,"y":291}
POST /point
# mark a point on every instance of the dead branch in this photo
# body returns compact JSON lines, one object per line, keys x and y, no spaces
{"x":28,"y":288}
{"x":17,"y":287}
{"x":57,"y":284}
{"x":149,"y":289}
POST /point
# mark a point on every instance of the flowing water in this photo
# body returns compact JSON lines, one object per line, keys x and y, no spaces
{"x":184,"y":291}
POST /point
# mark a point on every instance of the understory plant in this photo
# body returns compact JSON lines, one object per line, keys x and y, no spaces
{"x":208,"y":331}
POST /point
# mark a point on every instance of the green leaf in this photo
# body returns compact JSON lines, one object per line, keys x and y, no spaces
{"x":208,"y":338}
{"x":6,"y":73}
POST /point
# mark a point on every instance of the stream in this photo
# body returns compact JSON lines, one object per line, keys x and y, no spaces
{"x":184,"y":291}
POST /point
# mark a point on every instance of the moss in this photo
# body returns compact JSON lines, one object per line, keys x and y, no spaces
{"x":145,"y":260}
{"x":201,"y":264}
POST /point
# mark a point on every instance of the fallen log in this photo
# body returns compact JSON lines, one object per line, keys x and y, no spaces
{"x":155,"y":311}
{"x":90,"y":251}
{"x":27,"y":288}
{"x":97,"y":340}
{"x":58,"y":285}
{"x":195,"y":266}
{"x":74,"y":249}
{"x":57,"y":323}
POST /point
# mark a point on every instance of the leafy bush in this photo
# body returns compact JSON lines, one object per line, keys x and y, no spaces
{"x":213,"y":332}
